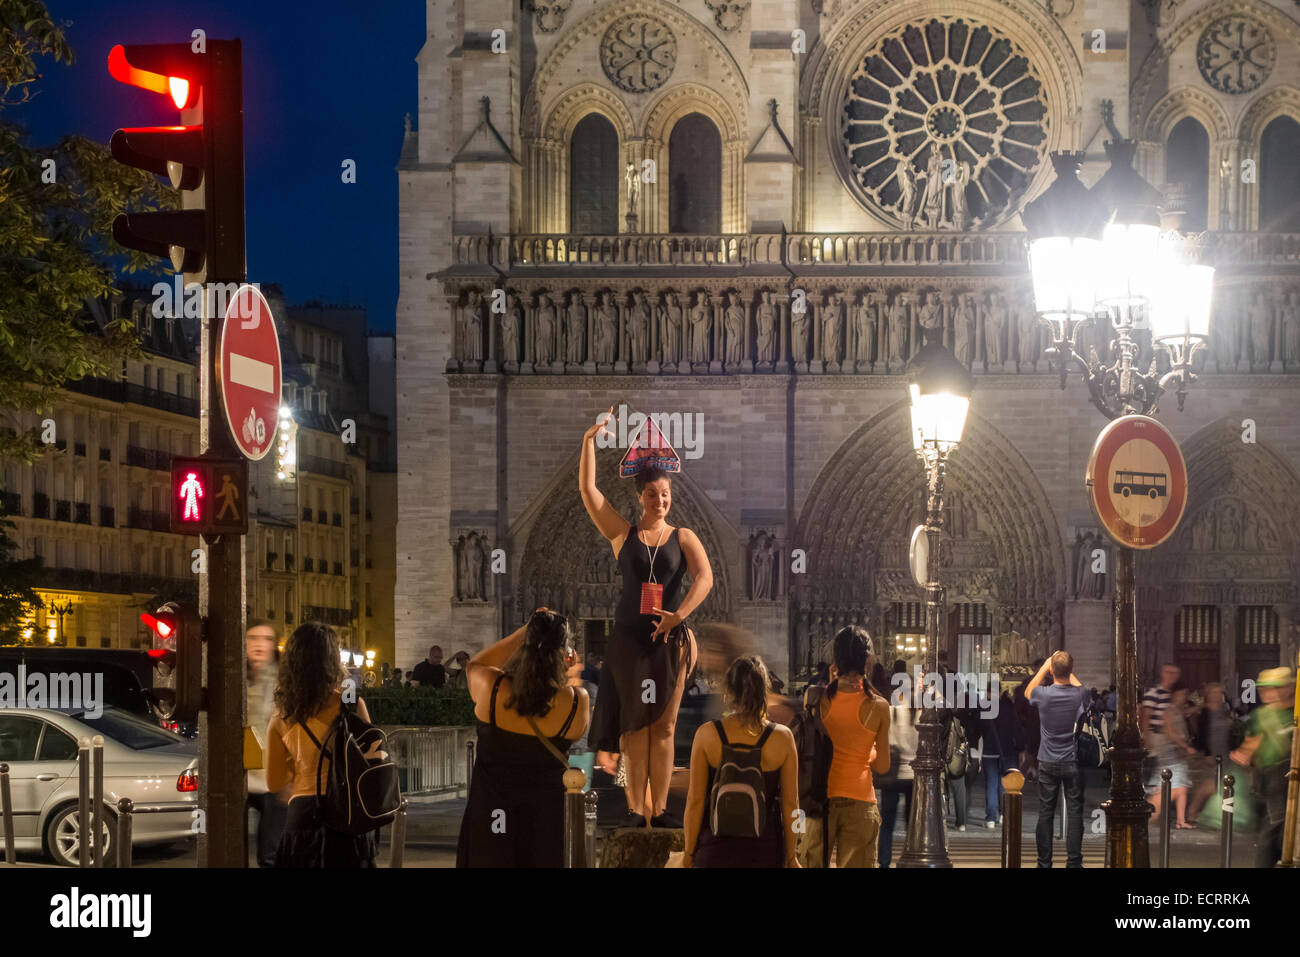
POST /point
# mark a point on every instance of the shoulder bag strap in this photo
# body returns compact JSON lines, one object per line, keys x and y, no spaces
{"x":550,"y":746}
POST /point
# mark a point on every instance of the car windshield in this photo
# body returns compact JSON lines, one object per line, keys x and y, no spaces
{"x":127,"y":729}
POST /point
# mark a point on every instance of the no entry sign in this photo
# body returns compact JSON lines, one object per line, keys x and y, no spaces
{"x":248,"y":368}
{"x":1137,"y":481}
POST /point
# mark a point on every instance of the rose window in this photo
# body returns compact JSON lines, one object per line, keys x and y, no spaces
{"x":943,"y":125}
{"x":1235,"y":55}
{"x":638,"y":54}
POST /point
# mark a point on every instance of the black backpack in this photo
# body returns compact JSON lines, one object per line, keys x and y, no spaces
{"x":361,"y":794}
{"x":815,"y":751}
{"x":957,"y":753}
{"x":738,"y":801}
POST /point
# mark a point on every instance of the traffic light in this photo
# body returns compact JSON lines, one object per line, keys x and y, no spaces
{"x":177,"y":654}
{"x":209,"y":496}
{"x":203,"y":157}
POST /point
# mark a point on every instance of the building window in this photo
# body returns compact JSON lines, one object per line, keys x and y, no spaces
{"x":1279,"y":186}
{"x":695,"y":171}
{"x":593,"y":177}
{"x":81,"y":641}
{"x":105,"y":643}
{"x":1187,"y":167}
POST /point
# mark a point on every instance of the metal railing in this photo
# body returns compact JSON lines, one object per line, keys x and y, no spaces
{"x":915,"y":248}
{"x":430,"y":760}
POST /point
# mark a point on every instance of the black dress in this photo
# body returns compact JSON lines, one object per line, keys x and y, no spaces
{"x":515,"y":813}
{"x":632,"y":657}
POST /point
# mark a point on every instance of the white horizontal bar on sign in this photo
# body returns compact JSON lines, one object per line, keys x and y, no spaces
{"x":252,"y":373}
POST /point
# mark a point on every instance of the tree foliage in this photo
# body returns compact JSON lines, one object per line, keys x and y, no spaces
{"x":56,"y":247}
{"x":18,"y":578}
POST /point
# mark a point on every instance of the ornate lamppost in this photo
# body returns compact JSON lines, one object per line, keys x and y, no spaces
{"x":940,"y":389}
{"x":1100,"y":255}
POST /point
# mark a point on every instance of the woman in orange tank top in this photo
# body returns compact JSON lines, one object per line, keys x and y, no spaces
{"x":857,"y":721}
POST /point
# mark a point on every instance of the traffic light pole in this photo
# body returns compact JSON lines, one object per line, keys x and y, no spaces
{"x":223,"y":790}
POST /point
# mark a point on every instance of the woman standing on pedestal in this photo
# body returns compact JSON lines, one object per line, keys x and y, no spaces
{"x":650,"y":653}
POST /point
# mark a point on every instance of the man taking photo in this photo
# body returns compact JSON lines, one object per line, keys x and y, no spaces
{"x":1059,"y":705}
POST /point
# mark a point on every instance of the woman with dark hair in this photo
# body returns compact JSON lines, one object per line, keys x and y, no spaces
{"x":523,"y":699}
{"x":308,"y":698}
{"x":650,"y":653}
{"x":857,"y":721}
{"x":744,"y":728}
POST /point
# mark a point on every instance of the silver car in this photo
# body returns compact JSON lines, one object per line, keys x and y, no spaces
{"x":155,"y":768}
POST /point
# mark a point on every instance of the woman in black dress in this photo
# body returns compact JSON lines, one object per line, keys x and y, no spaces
{"x":514,"y":817}
{"x":647,"y":661}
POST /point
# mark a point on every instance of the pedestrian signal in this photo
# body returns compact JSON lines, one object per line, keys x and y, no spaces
{"x":209,"y":496}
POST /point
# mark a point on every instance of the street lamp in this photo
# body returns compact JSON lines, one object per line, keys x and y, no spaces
{"x":940,"y":389}
{"x":1101,"y":254}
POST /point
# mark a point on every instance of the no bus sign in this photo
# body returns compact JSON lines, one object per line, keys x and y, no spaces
{"x":1137,"y":481}
{"x":248,"y":368}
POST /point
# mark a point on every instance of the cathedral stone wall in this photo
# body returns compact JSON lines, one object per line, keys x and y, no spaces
{"x":810,"y":452}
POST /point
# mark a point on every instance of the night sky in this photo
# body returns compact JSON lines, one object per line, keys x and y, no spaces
{"x":324,"y":81}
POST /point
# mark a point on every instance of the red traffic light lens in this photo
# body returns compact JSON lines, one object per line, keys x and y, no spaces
{"x":120,"y":68}
{"x":160,"y":628}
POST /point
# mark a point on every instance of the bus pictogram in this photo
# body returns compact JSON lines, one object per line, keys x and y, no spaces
{"x":1152,"y":484}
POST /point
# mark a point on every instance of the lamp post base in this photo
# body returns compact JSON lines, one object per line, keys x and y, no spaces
{"x":927,"y":827}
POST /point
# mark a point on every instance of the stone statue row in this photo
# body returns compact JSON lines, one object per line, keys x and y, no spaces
{"x":1255,"y":328}
{"x":860,"y":330}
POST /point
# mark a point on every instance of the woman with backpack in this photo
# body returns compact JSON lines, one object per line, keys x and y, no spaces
{"x":744,"y":787}
{"x":528,"y":712}
{"x":308,"y":700}
{"x":857,"y":721}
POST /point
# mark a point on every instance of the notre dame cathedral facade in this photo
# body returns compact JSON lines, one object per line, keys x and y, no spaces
{"x":744,"y":213}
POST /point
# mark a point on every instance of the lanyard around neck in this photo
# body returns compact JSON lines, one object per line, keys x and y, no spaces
{"x":656,"y":551}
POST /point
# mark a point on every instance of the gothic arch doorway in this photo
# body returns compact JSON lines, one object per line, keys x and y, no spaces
{"x":1003,"y":547}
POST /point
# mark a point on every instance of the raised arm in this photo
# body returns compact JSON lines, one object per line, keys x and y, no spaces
{"x":1037,"y":679}
{"x":607,"y":521}
{"x":483,"y":668}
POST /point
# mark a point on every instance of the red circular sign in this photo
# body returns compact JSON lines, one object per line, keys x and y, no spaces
{"x":1137,"y":481}
{"x":248,"y":368}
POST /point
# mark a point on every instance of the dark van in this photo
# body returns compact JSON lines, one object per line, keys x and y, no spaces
{"x":127,"y":673}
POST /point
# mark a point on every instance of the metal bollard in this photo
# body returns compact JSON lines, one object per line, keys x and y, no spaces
{"x":1218,"y":771}
{"x":575,"y":819}
{"x":1166,"y":777}
{"x":83,"y":802}
{"x":7,"y":812}
{"x":125,"y":808}
{"x":1012,"y":782}
{"x":469,"y":765}
{"x":397,"y":837}
{"x":590,"y":800}
{"x":1060,"y":803}
{"x":97,"y":772}
{"x":1225,"y":836}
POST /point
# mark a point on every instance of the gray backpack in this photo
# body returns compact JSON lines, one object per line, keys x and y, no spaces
{"x":738,"y":801}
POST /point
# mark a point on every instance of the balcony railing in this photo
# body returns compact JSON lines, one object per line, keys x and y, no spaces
{"x":115,"y":583}
{"x":321,"y":517}
{"x":723,"y":251}
{"x":306,"y":514}
{"x":148,"y":458}
{"x":81,"y":514}
{"x":320,"y":466}
{"x":288,"y":563}
{"x":117,"y":391}
{"x":62,"y":510}
{"x":148,"y":520}
{"x":40,"y":505}
{"x":107,"y":516}
{"x":308,"y":565}
{"x":105,"y":455}
{"x":336,"y":520}
{"x":79,"y":448}
{"x":330,"y":616}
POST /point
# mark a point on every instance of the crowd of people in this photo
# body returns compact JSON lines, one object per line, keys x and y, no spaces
{"x":774,"y":780}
